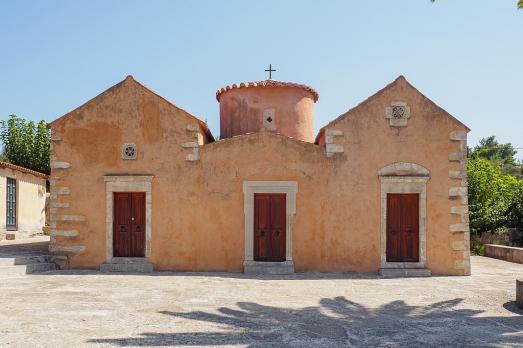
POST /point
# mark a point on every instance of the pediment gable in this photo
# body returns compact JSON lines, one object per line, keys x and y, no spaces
{"x":128,"y":82}
{"x":401,"y":81}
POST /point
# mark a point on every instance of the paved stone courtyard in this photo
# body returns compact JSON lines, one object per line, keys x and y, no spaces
{"x":86,"y":308}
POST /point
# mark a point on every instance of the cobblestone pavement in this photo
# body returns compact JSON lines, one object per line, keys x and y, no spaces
{"x":86,"y":308}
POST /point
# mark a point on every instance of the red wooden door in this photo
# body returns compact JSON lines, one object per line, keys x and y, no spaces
{"x":269,"y":227}
{"x":129,"y":224}
{"x":402,"y":227}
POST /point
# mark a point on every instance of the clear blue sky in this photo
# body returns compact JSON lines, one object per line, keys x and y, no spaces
{"x":464,"y":55}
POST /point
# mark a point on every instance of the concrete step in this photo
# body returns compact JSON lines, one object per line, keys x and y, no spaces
{"x":40,"y":267}
{"x":127,"y":265}
{"x":404,"y":272}
{"x":257,"y":267}
{"x":24,"y":260}
{"x":27,"y":269}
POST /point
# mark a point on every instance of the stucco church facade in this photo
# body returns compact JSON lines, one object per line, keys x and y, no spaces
{"x":138,"y":183}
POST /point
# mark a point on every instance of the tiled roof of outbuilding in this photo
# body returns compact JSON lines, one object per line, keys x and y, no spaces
{"x":267,"y":83}
{"x":22,"y":169}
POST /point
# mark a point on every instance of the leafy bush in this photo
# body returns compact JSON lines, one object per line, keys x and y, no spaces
{"x":515,"y":210}
{"x":478,"y":249}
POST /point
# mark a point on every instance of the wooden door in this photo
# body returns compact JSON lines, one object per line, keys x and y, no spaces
{"x":269,"y":226}
{"x":402,"y":227}
{"x":129,"y":224}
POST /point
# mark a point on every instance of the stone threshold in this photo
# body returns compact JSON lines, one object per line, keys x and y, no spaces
{"x":260,"y":267}
{"x":127,"y":265}
{"x":404,"y":272}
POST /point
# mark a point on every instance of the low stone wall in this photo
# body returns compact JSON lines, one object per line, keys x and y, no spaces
{"x":507,"y":237}
{"x":506,"y":253}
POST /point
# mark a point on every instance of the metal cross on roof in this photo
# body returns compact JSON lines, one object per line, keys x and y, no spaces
{"x":270,"y":70}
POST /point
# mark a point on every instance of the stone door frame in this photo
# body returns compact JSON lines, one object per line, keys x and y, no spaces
{"x":404,"y":177}
{"x":127,"y":183}
{"x":289,"y":188}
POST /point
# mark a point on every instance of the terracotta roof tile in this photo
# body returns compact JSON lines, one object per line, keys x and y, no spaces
{"x":267,"y":83}
{"x":22,"y":169}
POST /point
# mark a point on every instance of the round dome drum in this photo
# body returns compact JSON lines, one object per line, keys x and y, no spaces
{"x":280,"y":107}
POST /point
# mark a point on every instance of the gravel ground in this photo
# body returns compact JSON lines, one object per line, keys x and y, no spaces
{"x":87,"y":308}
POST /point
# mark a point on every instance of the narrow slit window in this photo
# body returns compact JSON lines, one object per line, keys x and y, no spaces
{"x":11,"y":204}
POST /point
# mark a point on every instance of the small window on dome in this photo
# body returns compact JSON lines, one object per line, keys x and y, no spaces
{"x":269,"y":122}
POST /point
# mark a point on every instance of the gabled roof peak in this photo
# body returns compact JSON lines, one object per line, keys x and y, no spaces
{"x":126,"y":82}
{"x":399,"y":81}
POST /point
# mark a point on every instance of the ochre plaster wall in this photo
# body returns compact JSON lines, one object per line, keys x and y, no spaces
{"x":197,"y":206}
{"x":30,"y":203}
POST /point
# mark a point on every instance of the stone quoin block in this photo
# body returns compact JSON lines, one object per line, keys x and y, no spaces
{"x":68,"y":218}
{"x":458,"y":135}
{"x":459,"y":210}
{"x":333,"y":132}
{"x":60,"y":165}
{"x":59,"y":205}
{"x":194,"y":156}
{"x":190,"y":144}
{"x":72,"y":249}
{"x":64,"y":233}
{"x":458,"y":245}
{"x":192,"y":127}
{"x":462,"y":264}
{"x":458,"y":191}
{"x":457,"y":156}
{"x":334,"y":148}
{"x":60,"y":191}
{"x":457,"y":174}
{"x":462,"y":227}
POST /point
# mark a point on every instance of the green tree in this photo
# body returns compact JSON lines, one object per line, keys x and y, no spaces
{"x":26,"y":144}
{"x":490,"y":149}
{"x":41,"y":154}
{"x":491,"y":195}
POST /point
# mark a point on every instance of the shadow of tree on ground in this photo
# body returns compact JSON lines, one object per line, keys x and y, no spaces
{"x":340,"y":322}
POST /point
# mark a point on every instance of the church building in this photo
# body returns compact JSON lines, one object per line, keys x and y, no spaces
{"x":138,"y":183}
